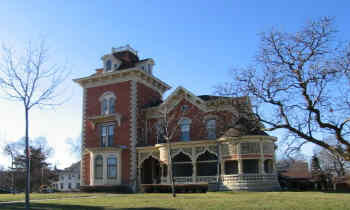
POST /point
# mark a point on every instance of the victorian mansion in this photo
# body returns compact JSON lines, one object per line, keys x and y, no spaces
{"x":123,"y":137}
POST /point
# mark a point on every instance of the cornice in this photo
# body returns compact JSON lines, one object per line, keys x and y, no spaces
{"x":106,"y":118}
{"x":135,"y":74}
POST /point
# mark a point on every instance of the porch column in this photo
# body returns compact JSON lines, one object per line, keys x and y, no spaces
{"x":240,"y":166}
{"x":194,"y":165}
{"x":168,"y":174}
{"x":239,"y":160}
{"x":139,"y":175}
{"x":92,"y":169}
{"x":262,"y":159}
{"x":194,"y":171}
{"x":222,"y":167}
{"x":161,"y":171}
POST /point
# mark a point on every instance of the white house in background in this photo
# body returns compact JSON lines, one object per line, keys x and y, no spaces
{"x":69,"y":178}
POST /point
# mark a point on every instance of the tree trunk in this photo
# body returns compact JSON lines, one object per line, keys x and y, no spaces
{"x":218,"y":168}
{"x":27,"y":205}
{"x":171,"y":169}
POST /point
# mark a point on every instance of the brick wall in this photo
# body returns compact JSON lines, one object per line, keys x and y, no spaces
{"x":145,"y":97}
{"x":122,"y":132}
{"x":198,"y":126}
{"x":86,"y":175}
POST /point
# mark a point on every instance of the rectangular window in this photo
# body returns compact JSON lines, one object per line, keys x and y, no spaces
{"x":211,"y":129}
{"x":231,"y":167}
{"x":110,"y":135}
{"x":250,"y":148}
{"x":69,"y":186}
{"x":103,"y":136}
{"x":250,"y":166}
{"x":61,"y":185}
{"x":112,"y":168}
{"x":107,"y":135}
{"x":185,"y":132}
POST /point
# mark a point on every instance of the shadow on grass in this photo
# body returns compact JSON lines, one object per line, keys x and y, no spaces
{"x":42,"y":206}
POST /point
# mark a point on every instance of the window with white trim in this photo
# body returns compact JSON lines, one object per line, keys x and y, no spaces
{"x":107,"y":103}
{"x":99,"y":167}
{"x":211,"y":129}
{"x":112,"y":167}
{"x":107,"y":135}
{"x":108,"y":65}
{"x":185,"y":126}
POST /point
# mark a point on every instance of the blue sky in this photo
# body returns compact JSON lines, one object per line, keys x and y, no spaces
{"x":194,"y":44}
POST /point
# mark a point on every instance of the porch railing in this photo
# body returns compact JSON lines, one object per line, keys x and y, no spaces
{"x":224,"y":178}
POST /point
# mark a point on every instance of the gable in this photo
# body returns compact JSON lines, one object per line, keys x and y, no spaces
{"x":180,"y":94}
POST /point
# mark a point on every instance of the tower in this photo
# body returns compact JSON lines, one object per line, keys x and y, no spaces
{"x":112,"y":101}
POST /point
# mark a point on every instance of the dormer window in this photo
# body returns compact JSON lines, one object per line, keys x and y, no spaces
{"x":107,"y":101}
{"x":108,"y":65}
{"x":149,"y":68}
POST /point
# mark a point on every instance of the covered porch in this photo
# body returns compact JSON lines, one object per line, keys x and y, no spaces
{"x":209,"y":162}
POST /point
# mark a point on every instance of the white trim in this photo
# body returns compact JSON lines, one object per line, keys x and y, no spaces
{"x":82,"y":165}
{"x":107,"y":95}
{"x":105,"y":180}
{"x":195,"y":100}
{"x":124,"y":75}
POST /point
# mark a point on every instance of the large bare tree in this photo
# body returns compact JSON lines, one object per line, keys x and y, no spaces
{"x":31,"y":80}
{"x":300,"y":83}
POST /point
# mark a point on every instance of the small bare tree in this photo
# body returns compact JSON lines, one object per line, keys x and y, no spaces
{"x":300,"y":83}
{"x":12,"y":150}
{"x":168,"y":127}
{"x":31,"y":80}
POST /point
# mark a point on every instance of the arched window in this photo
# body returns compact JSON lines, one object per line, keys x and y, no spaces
{"x":107,"y":103}
{"x":112,"y":167}
{"x":211,"y":129}
{"x":99,"y":167}
{"x":207,"y":164}
{"x":111,"y":105}
{"x":182,"y":164}
{"x":108,"y":65}
{"x":185,"y":126}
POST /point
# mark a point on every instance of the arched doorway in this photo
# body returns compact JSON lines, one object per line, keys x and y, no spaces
{"x":182,"y":165}
{"x":150,"y":171}
{"x":207,"y":164}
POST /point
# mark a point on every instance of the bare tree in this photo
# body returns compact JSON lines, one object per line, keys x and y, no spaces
{"x":31,"y":80}
{"x":74,"y":146}
{"x":330,"y":162}
{"x":12,"y":150}
{"x":300,"y":83}
{"x":168,"y":127}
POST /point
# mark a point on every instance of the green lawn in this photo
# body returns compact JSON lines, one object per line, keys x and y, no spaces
{"x":35,"y":196}
{"x":221,"y":200}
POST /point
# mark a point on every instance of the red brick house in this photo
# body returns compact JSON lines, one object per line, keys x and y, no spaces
{"x":122,"y":143}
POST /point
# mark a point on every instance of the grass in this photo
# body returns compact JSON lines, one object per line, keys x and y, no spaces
{"x":220,"y":200}
{"x":36,"y":196}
